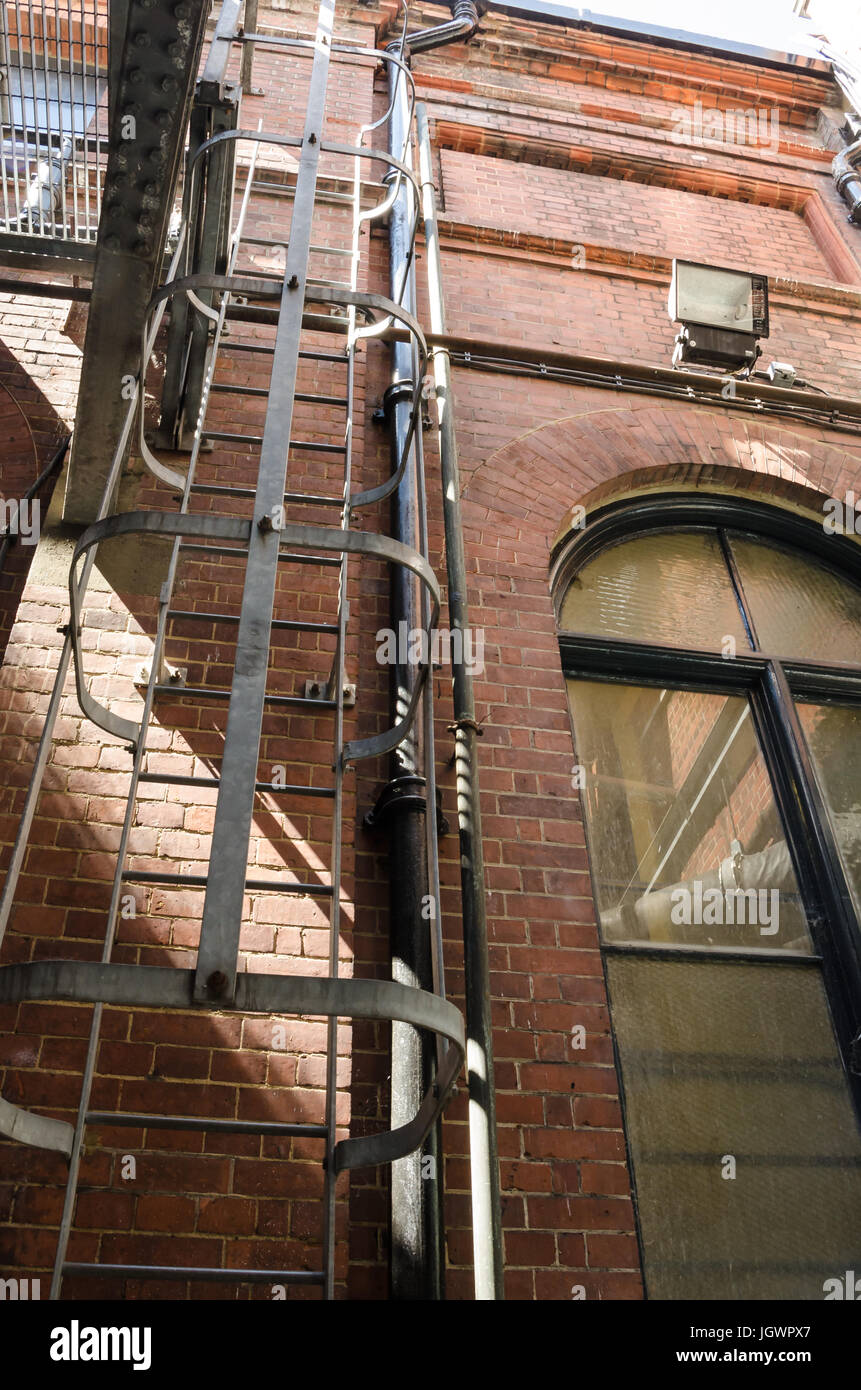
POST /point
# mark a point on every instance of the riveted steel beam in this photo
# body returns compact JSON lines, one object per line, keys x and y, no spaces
{"x":155,"y":79}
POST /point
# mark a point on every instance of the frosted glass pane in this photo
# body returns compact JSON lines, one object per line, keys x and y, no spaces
{"x":685,"y":842}
{"x":671,"y":588}
{"x":723,"y":1060}
{"x":799,"y":609}
{"x":833,"y":735}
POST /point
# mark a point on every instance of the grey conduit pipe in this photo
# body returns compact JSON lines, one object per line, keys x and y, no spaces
{"x":416,"y":1260}
{"x":484,"y":1162}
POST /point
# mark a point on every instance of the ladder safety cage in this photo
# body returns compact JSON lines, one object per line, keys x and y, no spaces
{"x":264,"y":540}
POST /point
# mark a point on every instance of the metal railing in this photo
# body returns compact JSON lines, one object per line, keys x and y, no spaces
{"x":53,"y":118}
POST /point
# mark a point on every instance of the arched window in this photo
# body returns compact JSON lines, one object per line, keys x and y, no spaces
{"x":712,"y":651}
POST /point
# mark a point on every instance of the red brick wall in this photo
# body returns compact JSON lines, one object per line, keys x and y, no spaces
{"x":641,"y":219}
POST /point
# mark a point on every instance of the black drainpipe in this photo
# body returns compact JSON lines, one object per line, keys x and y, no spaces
{"x":415,"y":1259}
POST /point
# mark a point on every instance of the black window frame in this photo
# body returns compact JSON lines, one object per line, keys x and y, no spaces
{"x":772,"y":686}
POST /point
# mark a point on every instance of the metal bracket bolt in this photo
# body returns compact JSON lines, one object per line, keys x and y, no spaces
{"x":318,"y":690}
{"x":167,"y":675}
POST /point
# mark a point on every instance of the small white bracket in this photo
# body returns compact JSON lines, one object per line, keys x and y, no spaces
{"x":167,"y":674}
{"x":317,"y":690}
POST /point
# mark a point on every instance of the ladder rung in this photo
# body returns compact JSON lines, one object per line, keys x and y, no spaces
{"x":273,"y":275}
{"x":286,"y":556}
{"x":252,"y":885}
{"x":286,"y":624}
{"x":304,"y":353}
{"x":127,"y":1120}
{"x":259,"y":241}
{"x":239,"y":390}
{"x":333,"y":250}
{"x":322,"y":400}
{"x":309,"y":499}
{"x":227,"y":388}
{"x":186,"y":1272}
{"x":312,"y":447}
{"x":203,"y":692}
{"x":225,"y":437}
{"x":278,"y":278}
{"x":176,"y":779}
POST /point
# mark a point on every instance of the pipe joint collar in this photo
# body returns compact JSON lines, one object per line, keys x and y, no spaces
{"x":399,"y":393}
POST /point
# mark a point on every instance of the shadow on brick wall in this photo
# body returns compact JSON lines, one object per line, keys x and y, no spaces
{"x":31,"y":432}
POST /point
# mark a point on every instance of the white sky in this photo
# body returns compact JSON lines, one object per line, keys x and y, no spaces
{"x":769,"y":24}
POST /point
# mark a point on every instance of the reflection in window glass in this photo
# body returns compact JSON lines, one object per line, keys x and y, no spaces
{"x":799,"y":609}
{"x":726,"y":1060}
{"x":671,"y":587}
{"x":833,"y":735}
{"x":686,"y":845}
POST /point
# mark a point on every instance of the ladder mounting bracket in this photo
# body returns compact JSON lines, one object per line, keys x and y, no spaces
{"x":318,"y":690}
{"x":167,"y":674}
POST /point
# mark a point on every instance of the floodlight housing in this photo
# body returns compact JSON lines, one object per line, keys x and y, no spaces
{"x":723,"y":312}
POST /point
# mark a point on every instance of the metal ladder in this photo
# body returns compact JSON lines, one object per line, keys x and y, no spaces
{"x":265,"y":539}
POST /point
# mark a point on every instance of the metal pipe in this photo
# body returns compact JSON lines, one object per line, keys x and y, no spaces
{"x":415,"y":1253}
{"x":462,"y":25}
{"x":45,"y":191}
{"x":43,"y":289}
{"x":415,"y":1262}
{"x":848,"y":180}
{"x":8,"y":537}
{"x":484,"y":1164}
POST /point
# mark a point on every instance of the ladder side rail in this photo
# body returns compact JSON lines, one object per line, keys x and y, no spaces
{"x":88,"y":1075}
{"x":222,"y":909}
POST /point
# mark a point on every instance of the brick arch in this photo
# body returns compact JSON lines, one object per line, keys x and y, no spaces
{"x":528,"y":484}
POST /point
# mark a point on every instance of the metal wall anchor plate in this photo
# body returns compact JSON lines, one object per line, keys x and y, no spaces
{"x":318,"y":690}
{"x":167,"y":674}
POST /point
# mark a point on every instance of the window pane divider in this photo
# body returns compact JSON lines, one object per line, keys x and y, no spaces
{"x":767,"y":955}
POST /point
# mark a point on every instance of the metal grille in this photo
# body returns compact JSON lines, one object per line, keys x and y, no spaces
{"x":53,"y":117}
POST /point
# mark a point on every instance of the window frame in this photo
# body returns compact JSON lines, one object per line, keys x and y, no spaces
{"x":772,"y":686}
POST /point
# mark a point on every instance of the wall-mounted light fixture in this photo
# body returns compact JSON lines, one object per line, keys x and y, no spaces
{"x":722,"y":313}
